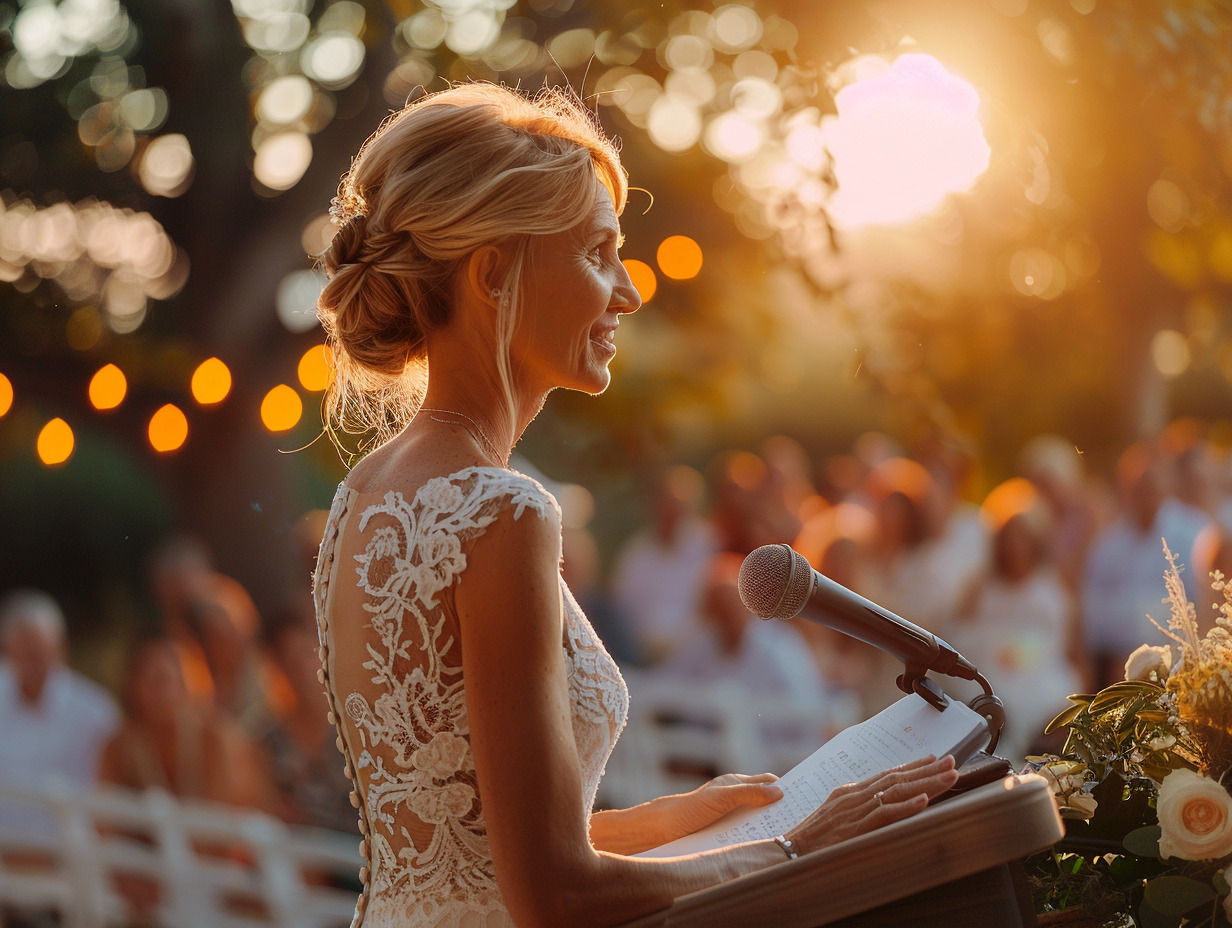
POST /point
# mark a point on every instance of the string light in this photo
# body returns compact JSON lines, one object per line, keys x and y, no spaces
{"x":211,"y":382}
{"x":316,"y":369}
{"x":679,"y":257}
{"x":108,"y":387}
{"x":168,"y":429}
{"x":55,"y":442}
{"x":643,"y":277}
{"x":6,"y":395}
{"x":281,"y":409}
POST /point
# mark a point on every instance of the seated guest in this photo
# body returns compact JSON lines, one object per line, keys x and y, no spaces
{"x":658,"y":575}
{"x":53,"y":721}
{"x":307,"y":782}
{"x":224,"y":622}
{"x":768,"y":659}
{"x":1018,"y":625}
{"x":170,"y":741}
{"x":1123,"y":584}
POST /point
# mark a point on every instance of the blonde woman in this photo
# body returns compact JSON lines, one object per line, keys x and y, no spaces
{"x":475,"y":270}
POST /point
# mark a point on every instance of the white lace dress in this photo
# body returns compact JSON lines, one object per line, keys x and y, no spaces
{"x":392,"y":671}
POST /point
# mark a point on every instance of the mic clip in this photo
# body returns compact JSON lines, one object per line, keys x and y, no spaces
{"x":915,"y":679}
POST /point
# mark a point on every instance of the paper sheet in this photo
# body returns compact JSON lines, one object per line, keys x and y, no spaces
{"x":905,"y":731}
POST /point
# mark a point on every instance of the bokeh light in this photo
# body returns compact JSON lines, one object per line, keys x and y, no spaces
{"x":55,"y":442}
{"x":643,"y":277}
{"x":333,"y":59}
{"x":211,"y":382}
{"x":6,"y":395}
{"x":906,"y":136}
{"x":315,"y":369}
{"x":1170,"y":352}
{"x":285,"y":100}
{"x":108,"y":387}
{"x":168,"y":429}
{"x":167,"y":166}
{"x":281,"y":409}
{"x":282,"y":159}
{"x":679,"y":257}
{"x":296,"y":299}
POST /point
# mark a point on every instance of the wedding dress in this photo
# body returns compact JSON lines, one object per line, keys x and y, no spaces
{"x":392,"y":671}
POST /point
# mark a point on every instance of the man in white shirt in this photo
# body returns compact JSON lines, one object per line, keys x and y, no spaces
{"x":53,"y":721}
{"x":1124,"y":582}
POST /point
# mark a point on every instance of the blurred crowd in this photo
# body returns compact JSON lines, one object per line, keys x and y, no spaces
{"x":1044,"y":581}
{"x":215,"y":704}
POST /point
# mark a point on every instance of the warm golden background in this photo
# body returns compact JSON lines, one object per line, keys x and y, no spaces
{"x":978,"y":220}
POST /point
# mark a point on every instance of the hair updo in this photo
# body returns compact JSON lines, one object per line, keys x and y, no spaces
{"x":478,"y":164}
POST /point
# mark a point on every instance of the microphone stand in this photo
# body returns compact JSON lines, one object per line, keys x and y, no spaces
{"x":915,"y":679}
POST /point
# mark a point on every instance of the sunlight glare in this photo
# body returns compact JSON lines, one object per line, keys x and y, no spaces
{"x":906,"y":136}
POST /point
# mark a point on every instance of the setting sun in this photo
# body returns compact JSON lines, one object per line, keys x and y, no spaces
{"x":907,"y":135}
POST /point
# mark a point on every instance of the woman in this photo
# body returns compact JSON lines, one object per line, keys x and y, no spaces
{"x":478,"y":243}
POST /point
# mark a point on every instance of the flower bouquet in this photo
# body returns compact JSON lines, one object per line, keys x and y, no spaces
{"x":1144,"y":781}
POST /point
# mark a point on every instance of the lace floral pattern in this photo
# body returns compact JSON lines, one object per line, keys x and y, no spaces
{"x":407,"y":743}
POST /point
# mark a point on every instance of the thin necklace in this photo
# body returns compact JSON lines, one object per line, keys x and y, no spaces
{"x":477,"y":432}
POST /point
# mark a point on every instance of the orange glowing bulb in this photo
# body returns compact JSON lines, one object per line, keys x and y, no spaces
{"x":55,"y":442}
{"x":6,"y":395}
{"x":643,"y":277}
{"x":108,"y":387}
{"x":211,"y":382}
{"x":168,"y":429}
{"x":281,"y":409}
{"x":680,"y":258}
{"x":316,"y":369}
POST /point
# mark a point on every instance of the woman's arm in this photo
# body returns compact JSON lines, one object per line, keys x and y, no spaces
{"x":517,"y":698}
{"x":650,"y":824}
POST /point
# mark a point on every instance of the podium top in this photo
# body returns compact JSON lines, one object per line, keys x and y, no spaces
{"x":988,"y":826}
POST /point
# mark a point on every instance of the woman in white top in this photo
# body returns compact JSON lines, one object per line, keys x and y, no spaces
{"x":477,"y":243}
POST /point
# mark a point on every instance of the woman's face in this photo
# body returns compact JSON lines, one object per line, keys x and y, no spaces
{"x":575,"y":289}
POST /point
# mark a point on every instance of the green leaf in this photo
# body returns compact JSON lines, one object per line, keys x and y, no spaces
{"x":1221,"y":883}
{"x":1144,"y":841}
{"x":1149,"y":917}
{"x":1067,"y":716}
{"x":1176,"y":895}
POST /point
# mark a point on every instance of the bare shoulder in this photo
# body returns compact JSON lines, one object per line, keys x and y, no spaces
{"x":406,"y":462}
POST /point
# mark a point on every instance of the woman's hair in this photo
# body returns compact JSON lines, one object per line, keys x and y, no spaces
{"x":475,"y":165}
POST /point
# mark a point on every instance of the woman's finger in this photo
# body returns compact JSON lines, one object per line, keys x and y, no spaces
{"x":926,"y":787}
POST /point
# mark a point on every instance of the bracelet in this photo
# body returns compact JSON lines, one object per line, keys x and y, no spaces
{"x":787,"y":845}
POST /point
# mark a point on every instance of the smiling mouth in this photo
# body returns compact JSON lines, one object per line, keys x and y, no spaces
{"x":605,"y":338}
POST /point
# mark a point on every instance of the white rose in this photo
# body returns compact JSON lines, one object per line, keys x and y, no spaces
{"x":1195,"y":817}
{"x":1148,"y":659}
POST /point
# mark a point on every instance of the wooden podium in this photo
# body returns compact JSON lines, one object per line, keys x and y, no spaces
{"x":956,"y":864}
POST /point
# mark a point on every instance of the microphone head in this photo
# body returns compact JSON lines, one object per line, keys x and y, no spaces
{"x":775,"y":582}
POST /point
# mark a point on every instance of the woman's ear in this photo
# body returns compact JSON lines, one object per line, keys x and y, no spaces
{"x":485,"y":275}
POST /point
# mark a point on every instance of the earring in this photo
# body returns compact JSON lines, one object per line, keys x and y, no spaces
{"x":499,"y":295}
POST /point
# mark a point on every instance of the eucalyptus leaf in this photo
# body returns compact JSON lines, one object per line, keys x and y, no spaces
{"x":1176,"y":895}
{"x":1144,"y":841}
{"x":1149,"y":917}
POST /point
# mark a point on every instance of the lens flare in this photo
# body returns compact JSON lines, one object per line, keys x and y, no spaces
{"x":907,"y":135}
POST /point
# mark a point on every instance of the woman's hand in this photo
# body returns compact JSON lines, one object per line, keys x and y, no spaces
{"x":858,"y":808}
{"x":630,"y":831}
{"x":686,"y":813}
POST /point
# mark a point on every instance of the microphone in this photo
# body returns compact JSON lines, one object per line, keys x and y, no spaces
{"x":776,"y":582}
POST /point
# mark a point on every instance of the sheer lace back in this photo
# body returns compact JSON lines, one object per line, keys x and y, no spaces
{"x":392,"y":669}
